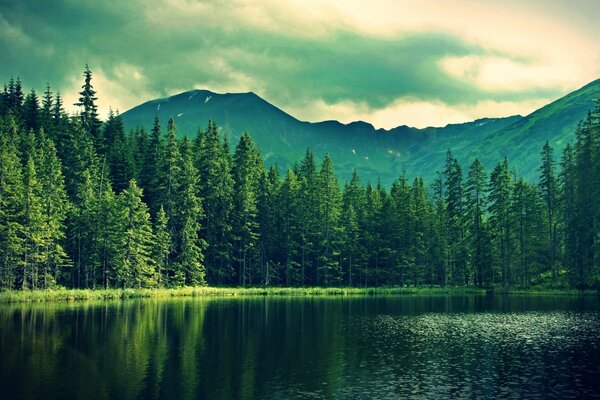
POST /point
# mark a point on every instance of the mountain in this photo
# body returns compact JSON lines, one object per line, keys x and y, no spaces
{"x":376,"y":153}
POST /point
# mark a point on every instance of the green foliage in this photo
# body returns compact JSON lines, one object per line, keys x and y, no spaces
{"x":72,"y":213}
{"x":133,"y":262}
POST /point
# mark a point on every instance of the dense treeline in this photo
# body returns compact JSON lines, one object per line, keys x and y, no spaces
{"x":83,"y":204}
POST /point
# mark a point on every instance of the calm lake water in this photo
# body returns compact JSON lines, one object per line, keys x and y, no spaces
{"x":303,"y":348}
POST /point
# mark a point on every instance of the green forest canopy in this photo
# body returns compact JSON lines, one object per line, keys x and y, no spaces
{"x":85,"y":205}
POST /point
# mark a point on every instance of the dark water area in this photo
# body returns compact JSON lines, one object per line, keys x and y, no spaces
{"x":429,"y":347}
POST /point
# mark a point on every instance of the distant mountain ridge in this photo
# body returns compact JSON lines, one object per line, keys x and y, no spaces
{"x":375,"y":153}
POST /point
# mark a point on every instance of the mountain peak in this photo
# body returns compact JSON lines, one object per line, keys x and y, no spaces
{"x":375,"y":153}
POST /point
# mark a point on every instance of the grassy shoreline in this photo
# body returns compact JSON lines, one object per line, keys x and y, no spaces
{"x":71,"y":295}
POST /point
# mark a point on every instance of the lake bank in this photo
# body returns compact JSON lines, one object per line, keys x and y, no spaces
{"x":70,"y":295}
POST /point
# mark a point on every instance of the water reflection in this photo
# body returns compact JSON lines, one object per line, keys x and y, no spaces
{"x":280,"y":348}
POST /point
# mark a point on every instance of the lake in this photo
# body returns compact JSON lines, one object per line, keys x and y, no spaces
{"x":430,"y":347}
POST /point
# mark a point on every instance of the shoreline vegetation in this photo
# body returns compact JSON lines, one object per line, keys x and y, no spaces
{"x":76,"y":295}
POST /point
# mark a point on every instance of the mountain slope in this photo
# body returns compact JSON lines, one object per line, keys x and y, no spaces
{"x":376,"y":153}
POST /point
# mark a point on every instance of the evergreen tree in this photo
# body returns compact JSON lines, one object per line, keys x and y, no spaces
{"x":133,"y":264}
{"x":309,"y":223}
{"x":328,"y":267}
{"x":31,"y":112}
{"x":423,"y":218}
{"x":529,"y":228}
{"x":216,"y":189}
{"x":11,"y":204}
{"x":288,"y":215}
{"x":353,"y":210}
{"x":584,"y":204}
{"x":190,"y":257}
{"x":89,"y":111}
{"x":268,"y":223}
{"x":500,"y":189}
{"x":46,"y":110}
{"x":478,"y":237}
{"x":15,"y":98}
{"x":440,"y":246}
{"x":150,"y":179}
{"x":55,"y":205}
{"x":163,"y":245}
{"x":454,"y":208}
{"x":116,"y":149}
{"x":246,"y":172}
{"x":548,"y":186}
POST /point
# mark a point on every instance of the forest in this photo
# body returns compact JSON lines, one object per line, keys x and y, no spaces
{"x":84,"y":204}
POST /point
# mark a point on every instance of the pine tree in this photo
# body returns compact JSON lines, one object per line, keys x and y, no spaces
{"x":46,"y":111}
{"x":15,"y":98}
{"x":567,"y":208}
{"x":328,"y":267}
{"x":133,"y":264}
{"x":455,"y":210}
{"x":55,"y":205}
{"x":163,"y":246}
{"x":309,"y":224}
{"x":548,"y":186}
{"x":89,"y":110}
{"x":33,"y":228}
{"x":11,"y":204}
{"x":288,"y":213}
{"x":475,"y":224}
{"x":150,"y":179}
{"x":440,"y":245}
{"x":246,"y":172}
{"x":31,"y":112}
{"x":353,"y":210}
{"x":584,"y":204}
{"x":190,"y":257}
{"x":169,"y":175}
{"x":500,"y":189}
{"x":216,"y":189}
{"x":115,"y":147}
{"x":526,"y":204}
{"x":268,"y":233}
{"x":422,"y":233}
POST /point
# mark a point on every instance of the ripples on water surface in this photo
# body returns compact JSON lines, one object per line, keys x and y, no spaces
{"x":312,"y":348}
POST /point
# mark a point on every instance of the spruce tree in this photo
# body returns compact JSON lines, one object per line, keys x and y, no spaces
{"x":455,"y":210}
{"x":288,"y":214}
{"x":163,"y":246}
{"x":11,"y":204}
{"x":548,"y":186}
{"x":150,"y":179}
{"x":216,"y":189}
{"x":246,"y":172}
{"x":55,"y":205}
{"x":309,"y":223}
{"x":115,"y":148}
{"x":353,"y":210}
{"x":33,"y":228}
{"x":328,"y":267}
{"x":475,"y":224}
{"x":89,"y":111}
{"x":267,"y":219}
{"x":46,"y":110}
{"x":500,"y":190}
{"x":31,"y":112}
{"x":190,"y":257}
{"x":133,"y":263}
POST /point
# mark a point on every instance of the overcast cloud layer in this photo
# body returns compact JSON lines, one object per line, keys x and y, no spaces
{"x":389,"y":63}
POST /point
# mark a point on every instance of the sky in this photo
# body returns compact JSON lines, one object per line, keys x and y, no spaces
{"x":389,"y":62}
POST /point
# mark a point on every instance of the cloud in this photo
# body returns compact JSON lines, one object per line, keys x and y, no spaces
{"x":395,"y":60}
{"x":414,"y":112}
